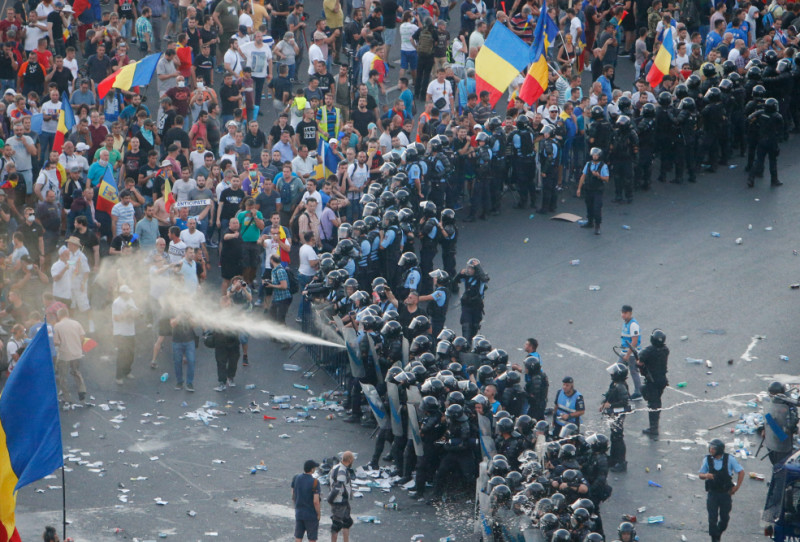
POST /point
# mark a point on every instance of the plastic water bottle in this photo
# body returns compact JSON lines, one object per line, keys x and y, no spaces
{"x":164,"y":377}
{"x":626,"y":227}
{"x":712,"y":384}
{"x":715,"y":234}
{"x":291,"y":367}
{"x":250,"y":387}
{"x":694,"y":361}
{"x":300,"y":386}
{"x":655,"y":519}
{"x":575,"y":262}
{"x":281,"y":399}
{"x":784,"y":358}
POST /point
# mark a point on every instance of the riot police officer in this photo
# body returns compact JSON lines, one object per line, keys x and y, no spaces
{"x":600,"y":131}
{"x":781,"y":425}
{"x":595,"y":178}
{"x":482,"y":164}
{"x":624,"y":146}
{"x":431,"y":430}
{"x":715,"y":129}
{"x":548,"y":166}
{"x":391,"y":246}
{"x":456,"y":451}
{"x":508,"y":442}
{"x":686,"y":142}
{"x":652,"y":365}
{"x":616,"y":401}
{"x":711,"y":77}
{"x":438,"y":300}
{"x":522,"y":162}
{"x":475,"y":282}
{"x":410,"y":275}
{"x":498,"y":144}
{"x":429,"y":235}
{"x":717,"y":470}
{"x":438,"y":168}
{"x":536,"y":387}
{"x":448,"y":241}
{"x":646,"y":130}
{"x":665,"y":134}
{"x":770,"y":127}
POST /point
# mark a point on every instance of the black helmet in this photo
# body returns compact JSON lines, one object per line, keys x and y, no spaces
{"x":687,"y":104}
{"x":444,"y":348}
{"x":736,"y":79}
{"x":521,"y":122}
{"x":542,"y":427}
{"x":401,"y":178}
{"x":360,"y":225}
{"x":520,"y":500}
{"x":535,"y":491}
{"x":374,"y":190}
{"x":594,"y":537}
{"x":562,"y":535}
{"x":408,"y":260}
{"x":624,"y":121}
{"x":405,"y":215}
{"x":456,"y":398}
{"x":332,"y":279}
{"x":716,"y":447}
{"x":596,"y":152}
{"x":708,"y":70}
{"x":449,"y":380}
{"x":693,"y":82}
{"x":597,"y":112}
{"x":624,"y":103}
{"x":428,"y":359}
{"x":392,"y":373}
{"x":533,"y":365}
{"x":326,"y":265}
{"x":435,"y":144}
{"x":411,"y":154}
{"x":506,"y":425}
{"x":524,"y":425}
{"x":359,"y":298}
{"x":481,"y":346}
{"x":771,"y":57}
{"x":771,"y":105}
{"x":549,"y":521}
{"x":648,"y":110}
{"x":420,"y":344}
{"x":598,"y":443}
{"x":390,"y":316}
{"x":726,"y":85}
{"x":498,"y":356}
{"x":429,"y":404}
{"x":378,"y":281}
{"x":460,"y":343}
{"x":784,"y":65}
{"x":626,"y":527}
{"x":371,"y":322}
{"x":469,"y":389}
{"x":568,"y":430}
{"x":501,"y":494}
{"x":388,"y":169}
{"x":448,"y":216}
{"x":390,"y":218}
{"x":551,"y":450}
{"x":494,"y":482}
{"x":713,"y":95}
{"x":618,"y":372}
{"x":567,"y":451}
{"x":401,"y":195}
{"x":754,"y":74}
{"x":428,"y":208}
{"x":419,"y":324}
{"x":776,"y":387}
{"x":513,"y":378}
{"x":456,"y":412}
{"x":442,"y":277}
{"x":456,"y":368}
{"x":432,"y":386}
{"x":728,"y":67}
{"x":493,"y":124}
{"x":664,"y":98}
{"x":446,"y":334}
{"x":351,"y":283}
{"x":514,"y":480}
{"x":482,"y":136}
{"x":658,"y":338}
{"x":392,"y":328}
{"x":584,"y":503}
{"x":500,"y":414}
{"x":485,"y":374}
{"x":580,"y":517}
{"x":387,"y":199}
{"x":759,"y":92}
{"x":681,"y":91}
{"x":394,"y":157}
{"x":371,"y":222}
{"x":498,"y":466}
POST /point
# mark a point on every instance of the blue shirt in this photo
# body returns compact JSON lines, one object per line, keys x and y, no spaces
{"x":388,"y":238}
{"x":712,"y":40}
{"x":606,"y":86}
{"x":412,"y":280}
{"x":439,"y":297}
{"x":408,"y":101}
{"x":733,"y":465}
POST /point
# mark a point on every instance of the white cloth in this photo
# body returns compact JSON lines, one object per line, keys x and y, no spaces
{"x":62,"y":287}
{"x":314,"y":53}
{"x":406,"y":31}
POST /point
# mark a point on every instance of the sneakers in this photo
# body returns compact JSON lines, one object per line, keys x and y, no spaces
{"x":352,"y":419}
{"x":245,"y":361}
{"x":231,"y":383}
{"x":298,"y":320}
{"x":636,"y":397}
{"x":189,"y":387}
{"x":179,"y":386}
{"x":211,"y":244}
{"x":118,"y":381}
{"x":221,"y":387}
{"x":129,"y":376}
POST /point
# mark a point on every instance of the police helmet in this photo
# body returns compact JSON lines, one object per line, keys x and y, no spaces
{"x":395,"y":158}
{"x":456,"y":412}
{"x":444,"y":348}
{"x":533,"y":365}
{"x":448,"y":216}
{"x":494,"y":482}
{"x":493,"y":124}
{"x":552,"y":450}
{"x":514,"y":480}
{"x":618,"y":372}
{"x":402,"y":197}
{"x":736,"y":79}
{"x":594,"y":537}
{"x":499,"y":465}
{"x":784,"y":65}
{"x":648,"y":110}
{"x":408,"y":260}
{"x":370,"y":209}
{"x":456,"y":398}
{"x":568,"y":431}
{"x":326,"y":265}
{"x":559,"y":501}
{"x":500,"y":414}
{"x":687,"y":104}
{"x":624,"y":103}
{"x":442,"y":277}
{"x":584,"y":503}
{"x":598,"y":443}
{"x":428,"y":208}
{"x":549,"y":521}
{"x":708,"y":70}
{"x":388,"y":169}
{"x":449,"y":381}
{"x":681,"y":91}
{"x":430,"y":404}
{"x":500,"y":495}
{"x":482,"y":136}
{"x":535,"y":491}
{"x":360,"y":225}
{"x":513,"y":378}
{"x":485,"y":374}
{"x":390,"y":316}
{"x":428,"y":360}
{"x":420,"y":344}
{"x":401,"y":178}
{"x":626,"y":527}
{"x":658,"y":338}
{"x":754,"y":74}
{"x":580,"y":517}
{"x":664,"y":98}
{"x":726,"y":85}
{"x":387,"y":199}
{"x":359,"y":298}
{"x":520,"y":500}
{"x":435,"y":144}
{"x":693,"y":82}
{"x":392,"y":328}
{"x":351,"y":283}
{"x":776,"y":388}
{"x":562,"y":535}
{"x":759,"y":92}
{"x":374,"y":190}
{"x":716,"y":447}
{"x":405,"y":215}
{"x":542,"y":426}
{"x":460,"y":343}
{"x":371,"y":222}
{"x":771,"y":105}
{"x":624,"y":122}
{"x":420,"y":324}
{"x":506,"y":425}
{"x":456,"y":368}
{"x":392,"y":373}
{"x":597,"y":112}
{"x":547,"y":129}
{"x":366,"y":198}
{"x":728,"y":67}
{"x":481,"y":346}
{"x":568,"y":451}
{"x":524,"y":425}
{"x":446,"y":334}
{"x":521,"y":122}
{"x":771,"y":58}
{"x":713,"y":95}
{"x":498,"y":356}
{"x":596,"y":153}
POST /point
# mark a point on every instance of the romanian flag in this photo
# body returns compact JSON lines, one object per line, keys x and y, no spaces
{"x":133,"y":75}
{"x":536,"y":81}
{"x":330,"y":161}
{"x":169,"y":197}
{"x":502,"y":57}
{"x":30,"y":428}
{"x":66,"y":121}
{"x":88,"y":345}
{"x":662,"y":62}
{"x":107,"y":195}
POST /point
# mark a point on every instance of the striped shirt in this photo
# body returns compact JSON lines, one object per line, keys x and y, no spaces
{"x":279,"y":274}
{"x":124,"y":213}
{"x":143,"y":28}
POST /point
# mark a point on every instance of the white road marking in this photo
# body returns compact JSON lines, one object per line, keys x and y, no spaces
{"x":747,"y":356}
{"x":582,"y":353}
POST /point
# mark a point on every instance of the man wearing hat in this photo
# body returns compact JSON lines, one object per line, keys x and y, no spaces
{"x":306,"y":499}
{"x":569,"y":406}
{"x":69,"y":158}
{"x":315,"y":52}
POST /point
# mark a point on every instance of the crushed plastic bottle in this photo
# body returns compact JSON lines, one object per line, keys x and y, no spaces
{"x":164,"y":377}
{"x":653,"y":484}
{"x":368,"y":519}
{"x":625,"y":227}
{"x":575,"y":262}
{"x":712,"y":384}
{"x":684,"y":338}
{"x":448,"y":539}
{"x":655,"y":519}
{"x":694,"y":361}
{"x":291,"y":367}
{"x":784,"y":358}
{"x":709,"y":364}
{"x":681,"y":384}
{"x":715,"y":234}
{"x":250,"y":387}
{"x":594,"y":288}
{"x":739,"y":241}
{"x":300,"y":386}
{"x":279,"y":399}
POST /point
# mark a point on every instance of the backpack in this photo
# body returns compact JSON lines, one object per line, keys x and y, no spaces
{"x":208,"y":339}
{"x":425,"y":44}
{"x":294,"y":283}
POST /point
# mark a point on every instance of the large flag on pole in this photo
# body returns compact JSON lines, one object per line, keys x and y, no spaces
{"x":107,"y":195}
{"x":30,"y":428}
{"x":662,"y":62}
{"x":502,"y":57}
{"x":330,"y":161}
{"x":66,"y":121}
{"x":536,"y":80}
{"x":133,"y":75}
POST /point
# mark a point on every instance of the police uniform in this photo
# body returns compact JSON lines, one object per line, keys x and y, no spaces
{"x":653,"y":361}
{"x":524,"y":166}
{"x":779,"y":429}
{"x":646,"y":130}
{"x":631,"y":329}
{"x":718,"y":498}
{"x":686,"y":145}
{"x":392,"y":247}
{"x":548,"y":164}
{"x":430,"y":243}
{"x":499,"y":167}
{"x":536,"y":387}
{"x":618,"y":398}
{"x":565,"y":404}
{"x":438,"y":167}
{"x":665,"y":139}
{"x":480,"y":198}
{"x":624,"y":145}
{"x":471,"y":304}
{"x":437,"y":309}
{"x":770,"y":128}
{"x":593,"y":192}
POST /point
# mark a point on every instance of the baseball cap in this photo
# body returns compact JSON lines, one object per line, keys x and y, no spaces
{"x":333,"y":141}
{"x":9,"y":91}
{"x":553,"y":108}
{"x":567,"y":380}
{"x":310,"y":464}
{"x":166,"y":163}
{"x":230,"y":123}
{"x":82,"y":147}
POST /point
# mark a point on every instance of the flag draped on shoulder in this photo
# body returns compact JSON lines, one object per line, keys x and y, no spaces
{"x":30,"y":428}
{"x":502,"y":58}
{"x":330,"y":161}
{"x":107,"y":195}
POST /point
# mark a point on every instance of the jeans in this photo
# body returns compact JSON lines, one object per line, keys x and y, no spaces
{"x":178,"y":351}
{"x":278,"y":310}
{"x":46,"y":140}
{"x":304,"y":305}
{"x":227,"y":360}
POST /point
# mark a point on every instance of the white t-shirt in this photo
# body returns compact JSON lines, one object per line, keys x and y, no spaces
{"x":246,"y":20}
{"x":359,"y":174}
{"x":681,"y":60}
{"x":258,"y":58}
{"x":72,"y":65}
{"x":52,"y":109}
{"x":441,"y":90}
{"x":385,"y":142}
{"x":270,"y":249}
{"x":182,"y":188}
{"x":175,"y":251}
{"x":126,"y":327}
{"x":316,"y":195}
{"x":406,"y":31}
{"x":234,"y":60}
{"x":197,"y":159}
{"x":476,"y":40}
{"x":366,"y":61}
{"x":193,"y":240}
{"x":459,"y":55}
{"x":302,"y":167}
{"x":307,"y":255}
{"x":62,"y":287}
{"x":575,"y":27}
{"x":314,"y":53}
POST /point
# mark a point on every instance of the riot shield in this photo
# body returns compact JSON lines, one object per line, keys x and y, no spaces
{"x":395,"y":415}
{"x":376,"y":405}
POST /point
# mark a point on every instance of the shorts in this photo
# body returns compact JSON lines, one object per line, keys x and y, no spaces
{"x":340,"y":516}
{"x":309,"y":527}
{"x":164,"y":327}
{"x":80,"y":300}
{"x":388,"y":36}
{"x":408,"y":59}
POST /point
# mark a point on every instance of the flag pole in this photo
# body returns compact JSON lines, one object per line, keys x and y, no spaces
{"x":63,"y":503}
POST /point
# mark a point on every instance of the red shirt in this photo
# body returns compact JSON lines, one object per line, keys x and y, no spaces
{"x":45,"y":58}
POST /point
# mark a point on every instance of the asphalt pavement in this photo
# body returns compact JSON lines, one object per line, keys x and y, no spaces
{"x":731,"y":302}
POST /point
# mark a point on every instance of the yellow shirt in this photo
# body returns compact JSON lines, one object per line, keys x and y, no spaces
{"x":259,"y":14}
{"x":335,"y":19}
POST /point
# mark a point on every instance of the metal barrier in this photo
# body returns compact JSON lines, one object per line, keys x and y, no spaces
{"x":332,"y":360}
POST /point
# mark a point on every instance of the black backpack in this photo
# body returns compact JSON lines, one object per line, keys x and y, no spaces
{"x":294,"y":283}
